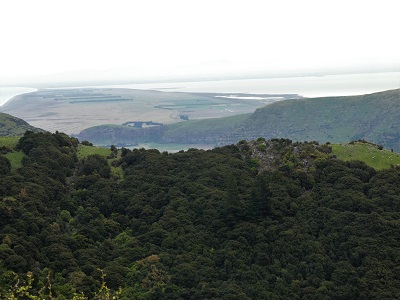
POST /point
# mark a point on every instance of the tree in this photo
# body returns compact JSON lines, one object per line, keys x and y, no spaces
{"x":232,"y":209}
{"x":94,"y":164}
{"x":5,"y":165}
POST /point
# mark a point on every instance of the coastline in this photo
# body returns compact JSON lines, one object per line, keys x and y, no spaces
{"x":306,"y":86}
{"x":8,"y":93}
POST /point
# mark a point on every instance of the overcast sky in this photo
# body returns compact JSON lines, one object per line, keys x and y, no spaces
{"x":165,"y":38}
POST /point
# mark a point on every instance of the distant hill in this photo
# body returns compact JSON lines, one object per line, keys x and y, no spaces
{"x":207,"y":131}
{"x":373,"y":117}
{"x":13,"y":126}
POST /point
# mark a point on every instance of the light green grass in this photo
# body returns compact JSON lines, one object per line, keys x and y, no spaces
{"x":10,"y":141}
{"x":369,"y":153}
{"x":85,"y":151}
{"x":15,"y":159}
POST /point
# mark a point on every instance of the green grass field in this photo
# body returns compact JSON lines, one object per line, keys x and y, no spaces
{"x":369,"y":153}
{"x":206,"y":126}
{"x":85,"y":151}
{"x":10,"y":141}
{"x":15,"y":158}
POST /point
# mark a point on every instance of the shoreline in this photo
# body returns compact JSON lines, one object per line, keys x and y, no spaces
{"x":306,"y":86}
{"x":8,"y":93}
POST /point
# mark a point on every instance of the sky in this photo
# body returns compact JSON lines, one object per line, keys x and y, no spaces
{"x":118,"y":39}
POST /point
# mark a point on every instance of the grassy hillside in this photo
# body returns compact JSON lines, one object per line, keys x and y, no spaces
{"x":373,"y":117}
{"x":85,"y":151}
{"x":369,"y":153}
{"x":11,"y":129}
{"x":7,"y":145}
{"x":12,"y":126}
{"x":15,"y":159}
{"x":120,"y":135}
{"x":8,"y":141}
{"x":206,"y":131}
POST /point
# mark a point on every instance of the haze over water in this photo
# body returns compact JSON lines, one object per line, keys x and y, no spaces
{"x":6,"y":93}
{"x":308,"y":86}
{"x":132,"y":42}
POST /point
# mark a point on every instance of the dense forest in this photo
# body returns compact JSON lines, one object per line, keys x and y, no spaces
{"x":266,"y":219}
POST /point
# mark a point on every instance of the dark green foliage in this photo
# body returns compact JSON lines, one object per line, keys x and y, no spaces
{"x":55,"y":153}
{"x":32,"y":140}
{"x":94,"y":164}
{"x":282,"y":221}
{"x":5,"y":165}
{"x":86,"y":143}
{"x":5,"y":149}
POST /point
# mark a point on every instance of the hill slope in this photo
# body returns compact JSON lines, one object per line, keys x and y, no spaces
{"x":373,"y":155}
{"x":373,"y":117}
{"x":13,"y":126}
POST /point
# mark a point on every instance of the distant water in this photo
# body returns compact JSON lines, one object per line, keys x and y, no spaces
{"x":310,"y":86}
{"x":172,"y":148}
{"x":6,"y":93}
{"x":307,"y":86}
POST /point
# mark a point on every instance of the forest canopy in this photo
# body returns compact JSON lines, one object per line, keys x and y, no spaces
{"x":266,"y":219}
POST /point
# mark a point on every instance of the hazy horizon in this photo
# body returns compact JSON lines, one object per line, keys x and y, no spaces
{"x":129,"y":76}
{"x":63,"y":42}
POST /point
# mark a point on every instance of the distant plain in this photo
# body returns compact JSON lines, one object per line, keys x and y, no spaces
{"x":72,"y":110}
